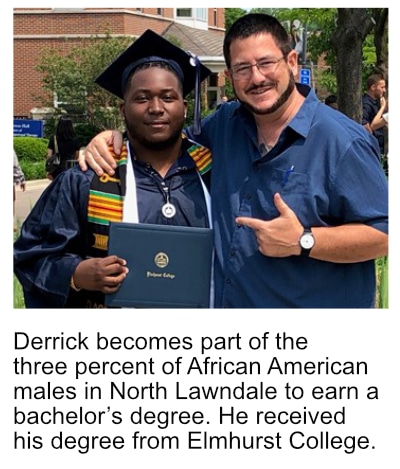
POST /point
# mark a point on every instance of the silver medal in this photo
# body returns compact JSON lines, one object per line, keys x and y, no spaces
{"x":168,"y":210}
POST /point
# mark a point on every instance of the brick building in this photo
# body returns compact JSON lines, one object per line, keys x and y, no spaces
{"x":200,"y":30}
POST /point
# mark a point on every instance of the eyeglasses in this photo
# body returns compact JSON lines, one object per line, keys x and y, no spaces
{"x":244,"y":71}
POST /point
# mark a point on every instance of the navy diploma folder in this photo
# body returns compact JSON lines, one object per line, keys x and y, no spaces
{"x":169,"y":266}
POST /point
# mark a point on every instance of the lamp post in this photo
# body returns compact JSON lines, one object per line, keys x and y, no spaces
{"x":304,"y":45}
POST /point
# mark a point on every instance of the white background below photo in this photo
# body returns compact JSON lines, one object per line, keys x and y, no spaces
{"x":359,"y":429}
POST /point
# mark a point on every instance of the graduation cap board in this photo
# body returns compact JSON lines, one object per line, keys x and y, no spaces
{"x":151,"y":47}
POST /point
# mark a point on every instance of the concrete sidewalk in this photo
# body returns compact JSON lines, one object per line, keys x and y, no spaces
{"x":26,"y":200}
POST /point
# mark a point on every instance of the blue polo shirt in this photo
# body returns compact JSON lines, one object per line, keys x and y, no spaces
{"x":181,"y":185}
{"x":327,"y":169}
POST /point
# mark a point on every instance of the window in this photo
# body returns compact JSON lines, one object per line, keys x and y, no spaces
{"x":201,"y":14}
{"x":213,"y":79}
{"x":196,"y":13}
{"x":184,"y":12}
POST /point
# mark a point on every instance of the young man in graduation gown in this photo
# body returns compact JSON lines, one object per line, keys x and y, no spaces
{"x":61,"y":256}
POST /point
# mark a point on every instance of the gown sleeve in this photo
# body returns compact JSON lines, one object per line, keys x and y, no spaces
{"x":53,"y":240}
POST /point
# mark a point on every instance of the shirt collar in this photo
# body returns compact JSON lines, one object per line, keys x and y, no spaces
{"x":301,"y":122}
{"x":184,"y":160}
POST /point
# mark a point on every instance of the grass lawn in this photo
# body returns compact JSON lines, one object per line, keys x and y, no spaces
{"x":382,"y":280}
{"x":18,"y":296}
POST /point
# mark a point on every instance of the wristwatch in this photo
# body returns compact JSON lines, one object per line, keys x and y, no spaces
{"x":306,"y":242}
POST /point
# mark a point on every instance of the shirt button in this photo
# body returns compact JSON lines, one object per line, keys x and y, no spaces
{"x":249,"y":196}
{"x":232,"y":252}
{"x":228,"y":281}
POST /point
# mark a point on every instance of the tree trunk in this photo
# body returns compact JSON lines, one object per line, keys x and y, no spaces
{"x":381,"y":16}
{"x":353,"y":25}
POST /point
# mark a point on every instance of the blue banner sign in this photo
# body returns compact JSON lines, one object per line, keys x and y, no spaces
{"x":305,"y":76}
{"x":28,"y":128}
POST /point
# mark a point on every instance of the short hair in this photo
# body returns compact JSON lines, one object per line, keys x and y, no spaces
{"x":253,"y":24}
{"x":373,"y":79}
{"x":331,"y":99}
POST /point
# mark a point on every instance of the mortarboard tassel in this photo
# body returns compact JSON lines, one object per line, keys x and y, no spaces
{"x":195,"y":62}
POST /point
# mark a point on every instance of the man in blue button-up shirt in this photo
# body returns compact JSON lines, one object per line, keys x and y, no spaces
{"x":300,"y":201}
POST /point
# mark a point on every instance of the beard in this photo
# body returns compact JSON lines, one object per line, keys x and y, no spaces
{"x":277,"y":104}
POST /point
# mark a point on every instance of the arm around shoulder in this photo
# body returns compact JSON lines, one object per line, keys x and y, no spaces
{"x":97,"y":154}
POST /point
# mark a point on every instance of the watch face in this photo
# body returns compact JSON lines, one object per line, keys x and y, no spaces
{"x":307,"y":241}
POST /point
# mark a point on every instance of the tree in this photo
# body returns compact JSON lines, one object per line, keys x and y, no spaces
{"x":231,"y":15}
{"x":69,"y":78}
{"x":380,"y":17}
{"x":353,"y":25}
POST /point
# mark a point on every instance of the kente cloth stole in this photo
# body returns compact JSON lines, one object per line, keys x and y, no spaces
{"x":106,"y":200}
{"x":201,"y":156}
{"x":107,"y":194}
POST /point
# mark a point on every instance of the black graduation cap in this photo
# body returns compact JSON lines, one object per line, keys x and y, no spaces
{"x":151,"y":47}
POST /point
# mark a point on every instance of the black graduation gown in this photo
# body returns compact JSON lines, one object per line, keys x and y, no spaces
{"x":57,"y":236}
{"x":57,"y":224}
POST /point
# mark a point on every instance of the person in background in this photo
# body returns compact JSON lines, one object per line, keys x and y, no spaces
{"x":67,"y":143}
{"x":224,"y":99}
{"x":19,"y":179}
{"x":331,"y":101}
{"x":61,"y":256}
{"x":382,"y":116}
{"x":299,"y":198}
{"x":374,"y":105}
